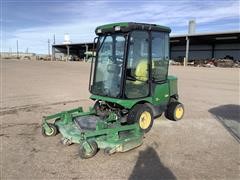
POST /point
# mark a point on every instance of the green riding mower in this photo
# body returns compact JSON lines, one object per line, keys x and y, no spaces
{"x":130,"y":85}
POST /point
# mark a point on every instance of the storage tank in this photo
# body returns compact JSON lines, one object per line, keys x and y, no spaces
{"x":66,"y":39}
{"x":191,"y":27}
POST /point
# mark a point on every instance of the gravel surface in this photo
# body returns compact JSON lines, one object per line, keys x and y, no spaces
{"x":198,"y":147}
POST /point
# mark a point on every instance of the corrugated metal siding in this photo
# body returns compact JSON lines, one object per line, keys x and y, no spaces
{"x":205,"y":51}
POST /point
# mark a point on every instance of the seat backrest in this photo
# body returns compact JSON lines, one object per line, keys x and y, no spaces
{"x":141,"y":71}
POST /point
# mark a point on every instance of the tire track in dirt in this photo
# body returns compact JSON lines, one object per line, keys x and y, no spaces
{"x":15,"y":109}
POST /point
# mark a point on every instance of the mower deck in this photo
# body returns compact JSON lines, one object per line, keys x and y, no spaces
{"x":82,"y":128}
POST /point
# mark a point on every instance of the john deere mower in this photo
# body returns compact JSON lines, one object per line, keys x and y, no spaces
{"x":130,"y":85}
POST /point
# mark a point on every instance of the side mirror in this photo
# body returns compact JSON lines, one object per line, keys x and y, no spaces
{"x":96,"y":42}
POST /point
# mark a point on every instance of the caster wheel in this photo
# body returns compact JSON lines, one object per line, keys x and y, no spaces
{"x":88,"y":149}
{"x":53,"y":132}
{"x":107,"y":151}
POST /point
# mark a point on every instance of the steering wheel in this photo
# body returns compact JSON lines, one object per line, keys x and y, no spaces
{"x":116,"y":61}
{"x":131,"y":78}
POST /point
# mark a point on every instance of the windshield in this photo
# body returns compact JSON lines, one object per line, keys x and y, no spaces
{"x":108,"y":67}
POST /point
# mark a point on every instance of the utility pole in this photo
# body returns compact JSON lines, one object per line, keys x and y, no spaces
{"x":187,"y":51}
{"x":53,"y":49}
{"x":10,"y":52}
{"x":17,"y":50}
{"x":49,"y":47}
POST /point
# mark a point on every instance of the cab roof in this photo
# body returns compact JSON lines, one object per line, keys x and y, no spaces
{"x":129,"y":26}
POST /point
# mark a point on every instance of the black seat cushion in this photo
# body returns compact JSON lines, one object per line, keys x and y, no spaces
{"x":86,"y":122}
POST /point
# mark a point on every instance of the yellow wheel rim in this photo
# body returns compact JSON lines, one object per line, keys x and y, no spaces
{"x":145,"y":120}
{"x":179,"y":112}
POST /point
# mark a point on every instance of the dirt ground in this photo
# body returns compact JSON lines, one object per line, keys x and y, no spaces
{"x":197,"y":147}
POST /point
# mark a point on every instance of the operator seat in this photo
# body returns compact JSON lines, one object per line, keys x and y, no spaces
{"x":138,"y":87}
{"x":141,"y":72}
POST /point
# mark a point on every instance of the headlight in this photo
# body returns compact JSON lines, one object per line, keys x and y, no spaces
{"x":117,"y":28}
{"x":99,"y":31}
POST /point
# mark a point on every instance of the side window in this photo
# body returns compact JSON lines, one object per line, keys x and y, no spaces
{"x":160,"y":53}
{"x":106,"y":50}
{"x":120,"y":42}
{"x":103,"y":59}
{"x":137,"y":72}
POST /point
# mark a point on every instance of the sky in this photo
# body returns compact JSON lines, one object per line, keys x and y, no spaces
{"x":33,"y":22}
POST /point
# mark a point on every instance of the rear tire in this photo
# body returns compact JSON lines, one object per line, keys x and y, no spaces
{"x":143,"y":115}
{"x":175,"y":111}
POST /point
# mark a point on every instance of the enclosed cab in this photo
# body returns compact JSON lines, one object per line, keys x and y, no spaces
{"x":131,"y":66}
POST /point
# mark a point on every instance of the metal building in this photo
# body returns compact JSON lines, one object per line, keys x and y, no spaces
{"x":205,"y":46}
{"x":192,"y":46}
{"x":75,"y":52}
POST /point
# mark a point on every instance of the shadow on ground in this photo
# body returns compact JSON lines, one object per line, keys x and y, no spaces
{"x":229,"y":116}
{"x":149,"y":166}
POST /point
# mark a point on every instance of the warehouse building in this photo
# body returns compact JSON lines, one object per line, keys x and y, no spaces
{"x":192,"y":46}
{"x":71,"y":52}
{"x":198,"y":46}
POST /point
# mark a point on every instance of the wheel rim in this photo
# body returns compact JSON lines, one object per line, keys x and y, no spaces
{"x":145,"y":120}
{"x":50,"y":133}
{"x":179,"y":112}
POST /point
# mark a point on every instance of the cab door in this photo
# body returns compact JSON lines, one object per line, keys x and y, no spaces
{"x":160,"y":62}
{"x":137,"y":68}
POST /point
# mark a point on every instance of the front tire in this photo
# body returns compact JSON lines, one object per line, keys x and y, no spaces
{"x":143,"y":115}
